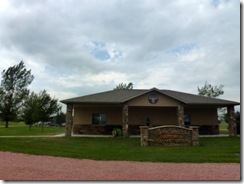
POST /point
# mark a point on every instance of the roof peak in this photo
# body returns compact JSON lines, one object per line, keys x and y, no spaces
{"x":154,"y":89}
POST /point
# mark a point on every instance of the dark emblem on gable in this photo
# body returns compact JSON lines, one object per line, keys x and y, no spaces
{"x":152,"y":98}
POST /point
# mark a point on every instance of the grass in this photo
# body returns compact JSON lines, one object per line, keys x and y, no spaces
{"x":20,"y":129}
{"x":211,"y":149}
{"x":223,"y":128}
{"x":13,"y":124}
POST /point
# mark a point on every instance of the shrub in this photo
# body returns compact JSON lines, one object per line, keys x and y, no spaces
{"x":117,"y":132}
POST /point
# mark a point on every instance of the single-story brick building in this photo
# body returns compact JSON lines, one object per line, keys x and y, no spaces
{"x":100,"y":113}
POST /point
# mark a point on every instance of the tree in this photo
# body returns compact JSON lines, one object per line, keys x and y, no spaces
{"x":40,"y":107}
{"x":60,"y":118}
{"x":47,"y":106}
{"x":124,"y":86}
{"x":30,"y":106}
{"x":13,"y":91}
{"x":210,"y":91}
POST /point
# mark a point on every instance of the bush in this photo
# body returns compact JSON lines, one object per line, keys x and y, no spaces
{"x":117,"y":132}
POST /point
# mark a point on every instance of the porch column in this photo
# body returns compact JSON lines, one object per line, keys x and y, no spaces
{"x":144,"y":135}
{"x":69,"y":122}
{"x":180,"y":115}
{"x":125,"y":120}
{"x":231,"y":121}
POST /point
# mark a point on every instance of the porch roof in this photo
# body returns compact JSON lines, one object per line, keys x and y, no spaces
{"x":120,"y":96}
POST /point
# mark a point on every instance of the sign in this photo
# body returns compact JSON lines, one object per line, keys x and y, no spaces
{"x":152,"y":98}
{"x":170,"y":135}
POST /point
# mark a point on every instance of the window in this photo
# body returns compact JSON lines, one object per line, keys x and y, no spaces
{"x":187,"y":120}
{"x":99,"y":119}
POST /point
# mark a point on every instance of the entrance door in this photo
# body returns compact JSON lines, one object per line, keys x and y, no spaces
{"x":148,"y":121}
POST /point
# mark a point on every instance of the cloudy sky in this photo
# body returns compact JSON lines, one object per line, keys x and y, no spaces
{"x":78,"y":47}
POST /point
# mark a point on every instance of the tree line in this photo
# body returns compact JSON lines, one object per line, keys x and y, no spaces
{"x":18,"y":103}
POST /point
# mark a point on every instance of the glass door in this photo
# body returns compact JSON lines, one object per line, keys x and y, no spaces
{"x":148,"y":120}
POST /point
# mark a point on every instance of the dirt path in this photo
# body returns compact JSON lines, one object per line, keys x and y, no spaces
{"x":15,"y":166}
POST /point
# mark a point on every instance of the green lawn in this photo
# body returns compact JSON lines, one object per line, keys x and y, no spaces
{"x":13,"y":124}
{"x":211,"y":149}
{"x":20,"y":129}
{"x":223,"y":128}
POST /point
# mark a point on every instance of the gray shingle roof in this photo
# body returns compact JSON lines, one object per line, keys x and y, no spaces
{"x":197,"y":99}
{"x":121,"y":96}
{"x":114,"y":96}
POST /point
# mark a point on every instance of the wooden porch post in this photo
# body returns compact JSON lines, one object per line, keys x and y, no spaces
{"x":180,"y":115}
{"x":231,"y":121}
{"x":69,"y":122}
{"x":125,"y":120}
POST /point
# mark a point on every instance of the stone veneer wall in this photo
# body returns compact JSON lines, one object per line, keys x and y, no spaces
{"x":69,"y":121}
{"x":231,"y":121}
{"x":180,"y":115}
{"x":132,"y":129}
{"x":125,"y":120}
{"x":169,"y":136}
{"x":94,"y":129}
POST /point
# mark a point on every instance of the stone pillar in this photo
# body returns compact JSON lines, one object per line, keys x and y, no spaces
{"x":180,"y":115}
{"x":231,"y":121}
{"x":195,"y":135}
{"x":144,"y":135}
{"x":69,"y":122}
{"x":125,"y":120}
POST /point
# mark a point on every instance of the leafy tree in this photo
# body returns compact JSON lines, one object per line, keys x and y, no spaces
{"x":210,"y":91}
{"x":30,"y":106}
{"x":124,"y":86}
{"x":13,"y":91}
{"x":47,"y":106}
{"x":40,"y":107}
{"x":60,"y":118}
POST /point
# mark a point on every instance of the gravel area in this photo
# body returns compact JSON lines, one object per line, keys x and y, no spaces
{"x":15,"y":166}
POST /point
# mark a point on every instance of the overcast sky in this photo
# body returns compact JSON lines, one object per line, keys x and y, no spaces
{"x":79,"y":47}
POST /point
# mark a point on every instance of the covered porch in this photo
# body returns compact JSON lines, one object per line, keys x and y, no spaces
{"x":129,"y":109}
{"x":102,"y":119}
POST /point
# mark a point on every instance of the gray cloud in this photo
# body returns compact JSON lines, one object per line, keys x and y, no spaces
{"x":158,"y":43}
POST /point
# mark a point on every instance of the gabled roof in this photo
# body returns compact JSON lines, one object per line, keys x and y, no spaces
{"x":120,"y":96}
{"x":113,"y":96}
{"x":192,"y":99}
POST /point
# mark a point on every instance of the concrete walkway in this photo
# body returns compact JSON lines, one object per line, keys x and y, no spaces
{"x":58,"y":135}
{"x":29,"y":136}
{"x":84,"y":135}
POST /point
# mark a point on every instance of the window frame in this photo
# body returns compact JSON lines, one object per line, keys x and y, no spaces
{"x":96,"y":121}
{"x":187,"y":120}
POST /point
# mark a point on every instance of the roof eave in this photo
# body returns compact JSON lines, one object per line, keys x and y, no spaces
{"x":214,"y":104}
{"x":87,"y":102}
